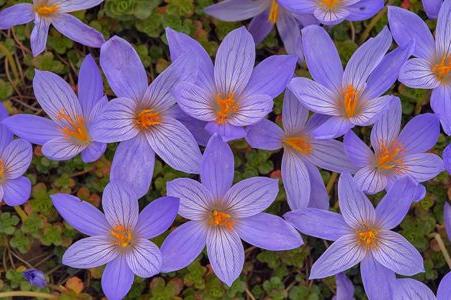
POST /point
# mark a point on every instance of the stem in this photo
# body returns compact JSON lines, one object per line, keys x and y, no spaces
{"x":331,"y":182}
{"x":442,"y":247}
{"x":27,"y":294}
{"x":371,"y":25}
{"x":22,"y":214}
{"x":11,"y":61}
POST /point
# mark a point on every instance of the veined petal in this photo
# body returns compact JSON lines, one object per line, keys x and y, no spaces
{"x":144,"y":259}
{"x":417,"y":73}
{"x":236,"y":10}
{"x":36,"y":130}
{"x":195,"y":126}
{"x":16,"y":158}
{"x":290,"y":33}
{"x":300,"y":7}
{"x":74,"y":5}
{"x":420,"y":134}
{"x":343,"y":254}
{"x":332,"y":128}
{"x":356,"y":150}
{"x":61,"y":149}
{"x":364,"y":9}
{"x":432,"y":7}
{"x":296,"y":180}
{"x":386,"y":128}
{"x":252,"y":109}
{"x":81,"y":215}
{"x":377,"y":279}
{"x":120,"y":206}
{"x":265,"y":135}
{"x":443,"y":30}
{"x":370,"y":180}
{"x":90,"y":252}
{"x":260,"y":27}
{"x":93,"y":152}
{"x":225,"y":253}
{"x":195,"y":101}
{"x":256,"y":229}
{"x":319,"y":198}
{"x":294,"y":114}
{"x":90,"y":85}
{"x":331,"y":17}
{"x":423,"y":166}
{"x":407,"y":288}
{"x":16,"y":15}
{"x":442,"y":106}
{"x":329,"y":155}
{"x":306,"y":220}
{"x":117,"y":278}
{"x":447,"y":158}
{"x":345,"y":288}
{"x":371,"y":108}
{"x":234,"y":62}
{"x":183,"y":245}
{"x":78,"y":31}
{"x":16,"y":191}
{"x":226,"y":131}
{"x":38,"y":38}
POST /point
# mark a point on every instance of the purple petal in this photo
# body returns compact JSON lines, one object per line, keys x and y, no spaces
{"x":93,"y":152}
{"x":343,"y":254}
{"x":444,"y":288}
{"x":422,"y":166}
{"x":329,"y":155}
{"x":272,"y":75}
{"x":16,"y":191}
{"x":217,"y":167}
{"x":78,"y":31}
{"x":322,"y":57}
{"x":16,"y":158}
{"x":319,"y":197}
{"x":90,"y":85}
{"x":226,"y":131}
{"x":234,"y":62}
{"x":236,"y":10}
{"x":407,"y":27}
{"x":376,"y":278}
{"x":123,"y":69}
{"x":370,"y":180}
{"x":81,"y":215}
{"x":36,"y":130}
{"x":447,"y":219}
{"x":61,"y":149}
{"x":253,"y":108}
{"x":256,"y":229}
{"x":74,"y":5}
{"x":417,"y":73}
{"x":447,"y":158}
{"x":117,"y":279}
{"x":120,"y":206}
{"x":386,"y":128}
{"x":364,"y":9}
{"x":16,"y":15}
{"x":392,"y":209}
{"x":6,"y":136}
{"x":356,"y":150}
{"x":175,"y":145}
{"x":251,"y":196}
{"x":345,"y":288}
{"x":432,"y":8}
{"x":330,"y":17}
{"x":195,"y":126}
{"x":290,"y":32}
{"x":371,"y":109}
{"x":226,"y":254}
{"x":144,"y":259}
{"x":443,"y":30}
{"x":38,"y":38}
{"x":157,"y":216}
{"x":306,"y":220}
{"x":296,"y":180}
{"x":294,"y":115}
{"x":407,"y":288}
{"x":442,"y":106}
{"x":260,"y":27}
{"x":183,"y":245}
{"x":195,"y":101}
{"x":299,"y":7}
{"x":355,"y":207}
{"x":332,"y":128}
{"x":194,"y":197}
{"x":133,"y":165}
{"x":265,"y":135}
{"x":90,"y":252}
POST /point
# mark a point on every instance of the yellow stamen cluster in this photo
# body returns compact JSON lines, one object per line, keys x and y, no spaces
{"x":368,"y":237}
{"x":225,"y":108}
{"x":330,"y":4}
{"x":2,"y":171}
{"x":122,"y":236}
{"x":389,"y":157}
{"x":442,"y":70}
{"x":46,"y":10}
{"x":273,"y":15}
{"x":350,"y":101}
{"x":74,"y":129}
{"x":147,"y":118}
{"x":300,"y":143}
{"x":223,"y":219}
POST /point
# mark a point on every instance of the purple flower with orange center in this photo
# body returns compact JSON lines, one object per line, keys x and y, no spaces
{"x":362,"y":234}
{"x":52,"y":12}
{"x":222,"y":214}
{"x":142,"y":117}
{"x":331,"y":12}
{"x":119,"y":237}
{"x":432,"y":8}
{"x":231,"y":94}
{"x":396,"y":153}
{"x":353,"y":96}
{"x":68,"y":132}
{"x":302,"y":154}
{"x":431,"y":67}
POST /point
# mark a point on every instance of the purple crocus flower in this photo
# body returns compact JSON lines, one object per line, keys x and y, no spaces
{"x":302,"y":154}
{"x":331,"y":12}
{"x":221,"y":215}
{"x":55,"y":12}
{"x":345,"y":288}
{"x":353,"y":96}
{"x":35,"y":277}
{"x":408,"y":289}
{"x":232,"y":94}
{"x":432,"y":8}
{"x":265,"y":14}
{"x":69,"y":130}
{"x":119,"y":237}
{"x":431,"y":67}
{"x":396,"y":153}
{"x":362,"y":234}
{"x":141,"y":117}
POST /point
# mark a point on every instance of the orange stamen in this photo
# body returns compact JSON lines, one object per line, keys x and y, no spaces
{"x":299,"y":143}
{"x":123,"y":237}
{"x":389,"y":158}
{"x":330,"y":4}
{"x":368,"y":237}
{"x":273,"y":15}
{"x":219,"y":218}
{"x":442,"y":70}
{"x":74,"y":129}
{"x":46,"y":10}
{"x":147,"y":118}
{"x":226,"y":107}
{"x":350,"y":101}
{"x":2,"y":171}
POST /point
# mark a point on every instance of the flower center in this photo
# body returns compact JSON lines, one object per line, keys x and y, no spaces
{"x":225,"y":108}
{"x":330,"y":4}
{"x":367,"y":237}
{"x":74,"y":129}
{"x":350,"y":101}
{"x":220,"y":218}
{"x":300,"y":143}
{"x":123,"y":236}
{"x":2,"y":171}
{"x":273,"y":15}
{"x":46,"y":10}
{"x":389,"y":158}
{"x":442,"y":70}
{"x":147,"y":118}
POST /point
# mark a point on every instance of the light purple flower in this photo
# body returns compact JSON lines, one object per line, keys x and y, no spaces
{"x":345,"y":288}
{"x":35,"y":277}
{"x":69,"y":130}
{"x":119,"y":237}
{"x":331,"y":12}
{"x":231,"y":94}
{"x":265,"y":14}
{"x":141,"y":117}
{"x":432,"y":8}
{"x":56,"y":13}
{"x":362,"y":234}
{"x":431,"y":67}
{"x":408,"y":289}
{"x":396,"y":153}
{"x":353,"y":96}
{"x":222,"y":214}
{"x":302,"y":154}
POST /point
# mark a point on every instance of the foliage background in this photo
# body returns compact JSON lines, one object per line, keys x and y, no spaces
{"x":35,"y":236}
